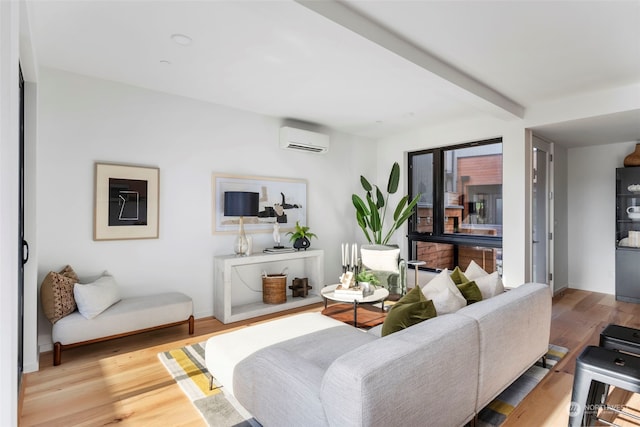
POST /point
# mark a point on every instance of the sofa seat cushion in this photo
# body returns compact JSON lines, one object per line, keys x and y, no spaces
{"x":223,"y":352}
{"x":293,"y":371}
{"x":127,"y":315}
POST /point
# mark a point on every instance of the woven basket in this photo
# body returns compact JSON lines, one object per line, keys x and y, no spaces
{"x":274,"y":289}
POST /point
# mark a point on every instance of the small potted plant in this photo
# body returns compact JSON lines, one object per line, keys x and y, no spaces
{"x":300,"y":237}
{"x":366,"y":278}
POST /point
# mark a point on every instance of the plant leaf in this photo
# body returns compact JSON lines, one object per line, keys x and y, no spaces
{"x":375,"y":217}
{"x":365,"y":184}
{"x":379,"y":198}
{"x":359,"y":204}
{"x":400,"y":207}
{"x":394,"y":179}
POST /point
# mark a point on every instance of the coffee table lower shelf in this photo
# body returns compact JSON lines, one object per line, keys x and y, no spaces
{"x":368,"y":315}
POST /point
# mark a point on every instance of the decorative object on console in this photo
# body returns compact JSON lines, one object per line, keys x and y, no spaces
{"x":126,"y":202}
{"x":371,"y":215}
{"x":300,"y":237}
{"x":300,"y":287}
{"x":281,"y":200}
{"x":241,"y":204}
{"x":633,"y":159}
{"x":274,"y":288}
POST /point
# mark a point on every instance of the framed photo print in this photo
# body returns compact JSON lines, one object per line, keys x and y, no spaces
{"x":126,"y":202}
{"x":281,"y":200}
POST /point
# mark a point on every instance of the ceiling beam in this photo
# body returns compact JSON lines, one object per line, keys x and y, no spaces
{"x":349,"y":18}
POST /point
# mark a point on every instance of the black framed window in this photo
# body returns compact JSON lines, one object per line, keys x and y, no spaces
{"x":459,"y":215}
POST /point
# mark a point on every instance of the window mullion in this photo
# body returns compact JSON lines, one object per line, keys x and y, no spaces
{"x":438,"y":193}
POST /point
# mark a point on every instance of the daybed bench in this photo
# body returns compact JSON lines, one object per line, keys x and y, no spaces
{"x":92,"y":312}
{"x":442,"y":371}
{"x":127,"y":317}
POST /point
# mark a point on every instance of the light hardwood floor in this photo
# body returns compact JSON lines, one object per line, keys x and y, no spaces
{"x":123,"y":382}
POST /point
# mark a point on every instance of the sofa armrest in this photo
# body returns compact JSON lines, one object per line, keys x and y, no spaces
{"x":293,"y":385}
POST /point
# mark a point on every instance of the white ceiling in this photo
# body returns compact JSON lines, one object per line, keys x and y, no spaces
{"x":371,"y":68}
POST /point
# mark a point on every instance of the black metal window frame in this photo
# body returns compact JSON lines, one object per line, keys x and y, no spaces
{"x":438,"y":235}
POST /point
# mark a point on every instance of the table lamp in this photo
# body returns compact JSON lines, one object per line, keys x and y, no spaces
{"x":241,"y":204}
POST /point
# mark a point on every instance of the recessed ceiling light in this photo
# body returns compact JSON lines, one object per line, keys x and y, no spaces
{"x":181,"y":39}
{"x":165,"y":62}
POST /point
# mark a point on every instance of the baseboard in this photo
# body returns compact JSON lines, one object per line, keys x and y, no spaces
{"x":561,"y":290}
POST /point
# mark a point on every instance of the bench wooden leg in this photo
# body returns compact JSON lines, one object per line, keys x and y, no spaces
{"x":57,"y":354}
{"x":192,"y":325}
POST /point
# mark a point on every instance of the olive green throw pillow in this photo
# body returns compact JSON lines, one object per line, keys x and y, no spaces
{"x":412,"y":308}
{"x":458,"y":276}
{"x":470,"y":291}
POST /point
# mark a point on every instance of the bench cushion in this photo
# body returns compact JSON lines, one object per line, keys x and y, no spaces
{"x":127,"y":315}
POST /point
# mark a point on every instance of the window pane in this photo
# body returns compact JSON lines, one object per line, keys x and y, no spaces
{"x":422,"y":182}
{"x":490,"y":259}
{"x":472,"y":179}
{"x":439,"y":256}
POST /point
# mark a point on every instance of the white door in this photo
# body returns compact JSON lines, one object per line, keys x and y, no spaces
{"x":541,"y":212}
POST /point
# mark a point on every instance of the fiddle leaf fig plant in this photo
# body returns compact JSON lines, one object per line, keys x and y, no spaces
{"x":371,"y":214}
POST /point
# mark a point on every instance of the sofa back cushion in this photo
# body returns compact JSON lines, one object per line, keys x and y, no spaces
{"x":419,"y":375}
{"x":514,"y":332}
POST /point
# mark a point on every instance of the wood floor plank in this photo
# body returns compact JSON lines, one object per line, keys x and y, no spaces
{"x":123,"y":382}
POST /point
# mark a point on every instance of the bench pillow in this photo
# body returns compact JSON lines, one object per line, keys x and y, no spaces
{"x":56,"y":294}
{"x":94,"y":298}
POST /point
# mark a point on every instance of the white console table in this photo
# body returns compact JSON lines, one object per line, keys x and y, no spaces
{"x":238,"y":282}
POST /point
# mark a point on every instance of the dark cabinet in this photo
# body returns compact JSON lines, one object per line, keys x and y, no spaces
{"x":628,"y":234}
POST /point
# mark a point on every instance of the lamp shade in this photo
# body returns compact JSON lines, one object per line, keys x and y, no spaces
{"x":241,"y":203}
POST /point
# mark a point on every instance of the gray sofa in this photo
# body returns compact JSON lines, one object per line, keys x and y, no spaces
{"x":440,"y":372}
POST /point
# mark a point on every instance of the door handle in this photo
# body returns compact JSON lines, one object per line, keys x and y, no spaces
{"x":25,"y":252}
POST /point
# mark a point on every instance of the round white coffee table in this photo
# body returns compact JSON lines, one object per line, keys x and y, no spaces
{"x":378,"y":295}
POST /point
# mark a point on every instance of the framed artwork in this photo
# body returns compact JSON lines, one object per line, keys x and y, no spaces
{"x":126,"y":202}
{"x":281,"y":200}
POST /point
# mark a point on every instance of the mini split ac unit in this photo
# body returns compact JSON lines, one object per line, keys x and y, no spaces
{"x":303,"y":140}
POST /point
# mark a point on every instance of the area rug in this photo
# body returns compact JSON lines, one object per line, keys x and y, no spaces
{"x":496,"y":412}
{"x":187,"y":367}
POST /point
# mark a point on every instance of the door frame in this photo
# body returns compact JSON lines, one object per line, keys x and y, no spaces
{"x":536,"y":141}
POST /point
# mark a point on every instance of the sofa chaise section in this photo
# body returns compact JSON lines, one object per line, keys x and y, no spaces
{"x":343,"y":376}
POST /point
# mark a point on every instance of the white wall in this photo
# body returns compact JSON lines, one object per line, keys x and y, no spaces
{"x":395,"y":149}
{"x":591,"y":215}
{"x":84,"y":120}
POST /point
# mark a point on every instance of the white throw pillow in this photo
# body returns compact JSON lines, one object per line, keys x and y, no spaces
{"x":474,"y":271}
{"x":94,"y":298}
{"x":445,"y":295}
{"x":382,"y":259}
{"x":490,"y":285}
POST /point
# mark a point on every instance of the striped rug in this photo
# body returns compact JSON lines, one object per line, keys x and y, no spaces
{"x":186,"y":366}
{"x":496,"y":412}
